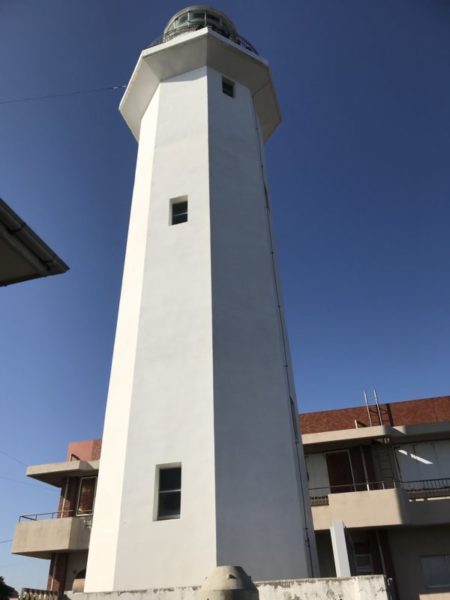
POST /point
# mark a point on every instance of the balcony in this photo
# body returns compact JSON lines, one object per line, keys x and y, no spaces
{"x":320,"y":496}
{"x":382,"y":503}
{"x":57,"y":473}
{"x":40,"y":535}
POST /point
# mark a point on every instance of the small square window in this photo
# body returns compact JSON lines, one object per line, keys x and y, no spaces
{"x":179,"y":210}
{"x":169,"y":493}
{"x":228,"y":87}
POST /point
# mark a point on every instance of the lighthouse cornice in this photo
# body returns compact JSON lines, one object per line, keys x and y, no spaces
{"x":189,"y":52}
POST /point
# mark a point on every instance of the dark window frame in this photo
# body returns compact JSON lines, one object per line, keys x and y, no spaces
{"x":79,"y":511}
{"x":228,"y":87}
{"x":168,"y":492}
{"x":179,"y":210}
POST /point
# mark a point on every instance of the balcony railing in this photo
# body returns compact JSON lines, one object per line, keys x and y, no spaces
{"x":416,"y":490}
{"x":59,"y":514}
{"x":319,"y":495}
{"x":32,"y":594}
{"x":427,"y":488}
{"x":236,"y":38}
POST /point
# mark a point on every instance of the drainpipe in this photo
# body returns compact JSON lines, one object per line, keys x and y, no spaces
{"x":363,"y":458}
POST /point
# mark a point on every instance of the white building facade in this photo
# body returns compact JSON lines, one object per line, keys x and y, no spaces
{"x":201,"y":462}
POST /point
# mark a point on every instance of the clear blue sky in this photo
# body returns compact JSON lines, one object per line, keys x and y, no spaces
{"x":360,"y":183}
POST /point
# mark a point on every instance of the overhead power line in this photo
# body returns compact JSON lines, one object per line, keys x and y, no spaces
{"x":62,"y":94}
{"x":13,"y":458}
{"x":13,"y":480}
{"x":5,"y":541}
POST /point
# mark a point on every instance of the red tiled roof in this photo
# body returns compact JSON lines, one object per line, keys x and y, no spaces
{"x":409,"y":412}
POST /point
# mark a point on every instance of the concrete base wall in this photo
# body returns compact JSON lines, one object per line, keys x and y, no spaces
{"x":408,"y":545}
{"x":369,"y":587}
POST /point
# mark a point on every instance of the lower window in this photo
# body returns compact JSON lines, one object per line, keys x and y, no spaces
{"x":436,"y":571}
{"x":179,"y":209}
{"x":169,"y":492}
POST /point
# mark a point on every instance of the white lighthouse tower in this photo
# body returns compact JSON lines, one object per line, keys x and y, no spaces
{"x":201,"y":460}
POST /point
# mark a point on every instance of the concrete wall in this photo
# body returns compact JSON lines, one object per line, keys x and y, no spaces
{"x":370,"y":587}
{"x":407,"y":546}
{"x":375,"y":508}
{"x":41,"y":538}
{"x":380,"y":508}
{"x":433,"y":511}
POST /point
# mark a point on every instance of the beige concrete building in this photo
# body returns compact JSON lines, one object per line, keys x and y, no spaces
{"x":63,"y":534}
{"x":381,"y":474}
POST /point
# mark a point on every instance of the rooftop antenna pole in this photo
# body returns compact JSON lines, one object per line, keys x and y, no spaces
{"x":375,"y":397}
{"x":367,"y":407}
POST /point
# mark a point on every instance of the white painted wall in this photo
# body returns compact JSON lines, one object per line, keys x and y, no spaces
{"x":259,"y":504}
{"x":171,"y":419}
{"x":424,"y":460}
{"x":199,"y":370}
{"x":170,"y":416}
{"x":108,"y":501}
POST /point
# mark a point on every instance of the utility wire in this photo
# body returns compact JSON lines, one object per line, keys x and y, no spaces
{"x":38,"y":487}
{"x":5,"y":541}
{"x":62,"y":95}
{"x":13,"y":458}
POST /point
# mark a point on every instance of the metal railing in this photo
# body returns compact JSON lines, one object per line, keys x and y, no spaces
{"x":416,"y":490}
{"x":319,"y":495}
{"x":427,"y":488}
{"x":59,"y":514}
{"x":236,"y":38}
